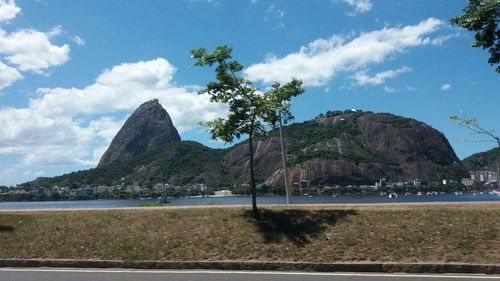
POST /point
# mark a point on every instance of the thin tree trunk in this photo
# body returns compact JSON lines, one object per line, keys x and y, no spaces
{"x":498,"y":163}
{"x":252,"y":179}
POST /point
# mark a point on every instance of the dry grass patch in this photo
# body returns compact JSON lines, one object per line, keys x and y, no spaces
{"x":444,"y":233}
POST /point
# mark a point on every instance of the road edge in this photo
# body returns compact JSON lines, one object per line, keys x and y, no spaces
{"x":386,"y":267}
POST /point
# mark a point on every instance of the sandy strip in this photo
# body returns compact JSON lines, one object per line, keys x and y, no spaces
{"x":341,"y":205}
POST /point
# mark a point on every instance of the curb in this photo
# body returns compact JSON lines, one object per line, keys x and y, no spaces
{"x":388,"y":267}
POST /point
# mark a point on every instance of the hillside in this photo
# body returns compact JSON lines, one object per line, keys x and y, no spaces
{"x":337,"y":148}
{"x":179,"y":162}
{"x":482,"y":161}
{"x":352,"y":148}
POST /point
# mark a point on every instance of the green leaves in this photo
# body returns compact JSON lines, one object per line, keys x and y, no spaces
{"x":483,"y":17}
{"x":250,"y":110}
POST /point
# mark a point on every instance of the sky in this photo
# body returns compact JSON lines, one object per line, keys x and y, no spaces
{"x":71,"y":72}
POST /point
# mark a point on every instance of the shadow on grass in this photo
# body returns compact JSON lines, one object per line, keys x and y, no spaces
{"x":6,"y":228}
{"x":299,"y":226}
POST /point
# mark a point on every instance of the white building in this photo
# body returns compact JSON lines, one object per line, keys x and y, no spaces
{"x":483,"y":176}
{"x":223,"y":193}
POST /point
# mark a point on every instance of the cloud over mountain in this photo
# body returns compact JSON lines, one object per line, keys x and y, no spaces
{"x":74,"y":125}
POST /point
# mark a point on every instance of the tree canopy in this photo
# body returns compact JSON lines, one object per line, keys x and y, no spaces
{"x":483,"y":16}
{"x":251,"y":111}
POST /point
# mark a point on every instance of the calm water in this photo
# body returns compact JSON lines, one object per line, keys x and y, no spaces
{"x":358,"y":199}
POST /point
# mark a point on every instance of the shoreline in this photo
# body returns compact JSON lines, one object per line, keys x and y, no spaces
{"x":319,"y":205}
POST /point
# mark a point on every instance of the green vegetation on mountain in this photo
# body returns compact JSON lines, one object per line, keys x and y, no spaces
{"x":314,"y":140}
{"x":482,"y":161}
{"x":339,"y":147}
{"x":179,"y":162}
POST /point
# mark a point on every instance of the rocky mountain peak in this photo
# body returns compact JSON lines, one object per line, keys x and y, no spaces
{"x":148,"y":128}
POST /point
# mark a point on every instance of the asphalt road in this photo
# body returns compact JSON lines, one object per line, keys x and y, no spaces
{"x":45,"y":274}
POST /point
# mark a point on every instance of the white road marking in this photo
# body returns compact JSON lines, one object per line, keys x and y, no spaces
{"x":478,"y":276}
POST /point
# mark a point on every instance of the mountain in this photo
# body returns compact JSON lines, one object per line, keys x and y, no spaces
{"x":147,"y":129}
{"x":177,"y":162}
{"x":482,"y":161}
{"x":350,"y":147}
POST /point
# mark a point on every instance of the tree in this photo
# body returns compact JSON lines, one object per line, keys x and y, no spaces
{"x":471,"y":124}
{"x":251,"y":112}
{"x":483,"y":16}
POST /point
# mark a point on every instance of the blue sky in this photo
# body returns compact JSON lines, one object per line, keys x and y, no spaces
{"x":72,"y":71}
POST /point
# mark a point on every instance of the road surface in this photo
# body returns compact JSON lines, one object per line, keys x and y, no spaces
{"x":53,"y":274}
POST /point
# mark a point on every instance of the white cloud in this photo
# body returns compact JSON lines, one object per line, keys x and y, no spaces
{"x":55,"y":31}
{"x":361,"y":6}
{"x":53,"y":130}
{"x":388,"y":89}
{"x":26,"y":49}
{"x":319,"y":61}
{"x":78,"y":40}
{"x":275,"y":15}
{"x":438,"y":41}
{"x":273,"y":10}
{"x":446,"y":87}
{"x":106,"y":127}
{"x":362,"y":78}
{"x":8,"y":10}
{"x":31,"y":50}
{"x":8,"y":75}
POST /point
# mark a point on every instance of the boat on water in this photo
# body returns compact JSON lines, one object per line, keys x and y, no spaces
{"x":393,"y":195}
{"x":497,"y":192}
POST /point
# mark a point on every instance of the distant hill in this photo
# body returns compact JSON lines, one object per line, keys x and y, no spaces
{"x":335,"y":148}
{"x":482,"y":161}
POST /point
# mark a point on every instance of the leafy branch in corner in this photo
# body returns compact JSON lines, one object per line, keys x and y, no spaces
{"x":483,"y":17}
{"x":473,"y":125}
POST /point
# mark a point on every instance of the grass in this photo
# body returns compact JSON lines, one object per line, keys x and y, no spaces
{"x":153,"y":204}
{"x":209,"y":203}
{"x":426,"y":233}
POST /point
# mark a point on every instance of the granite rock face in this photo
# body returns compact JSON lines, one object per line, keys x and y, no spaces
{"x":370,"y":147}
{"x":147,"y":129}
